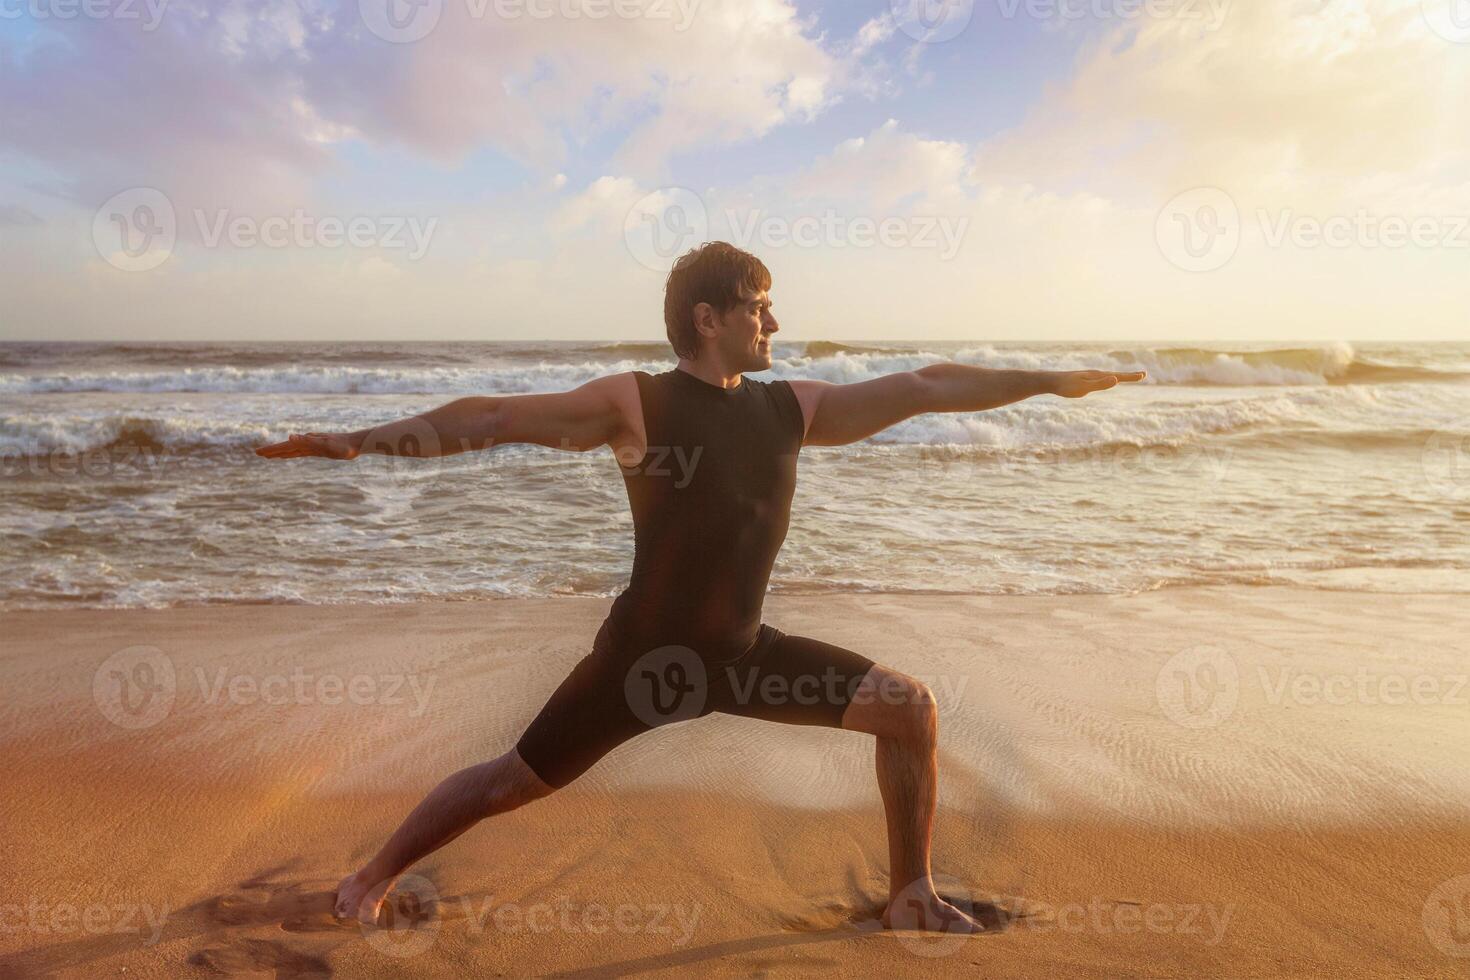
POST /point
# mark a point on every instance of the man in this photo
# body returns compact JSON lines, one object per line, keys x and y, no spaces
{"x":685,"y":638}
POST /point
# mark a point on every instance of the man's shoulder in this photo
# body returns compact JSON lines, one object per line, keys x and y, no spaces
{"x":808,"y":394}
{"x":622,"y":381}
{"x":619,"y":391}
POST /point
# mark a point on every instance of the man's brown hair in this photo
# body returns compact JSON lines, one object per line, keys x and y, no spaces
{"x":716,"y":273}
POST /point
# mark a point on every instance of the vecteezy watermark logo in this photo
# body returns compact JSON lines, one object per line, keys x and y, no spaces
{"x":676,"y":923}
{"x":1446,"y":917}
{"x":1198,"y":687}
{"x":666,"y":685}
{"x":1450,"y":19}
{"x":136,"y":229}
{"x":102,"y":919}
{"x":679,"y":12}
{"x":829,"y":229}
{"x":414,"y":454}
{"x":1287,"y":687}
{"x":1206,"y":923}
{"x":135,"y":687}
{"x":406,"y":21}
{"x":46,"y":10}
{"x":663,"y":225}
{"x":1211,"y":13}
{"x":1445,"y":461}
{"x":97,"y":463}
{"x":408,"y":923}
{"x":1364,"y":230}
{"x":300,"y":688}
{"x":409,"y":235}
{"x":677,"y":462}
{"x":932,"y":21}
{"x":138,"y":687}
{"x":401,"y":21}
{"x":1199,"y":230}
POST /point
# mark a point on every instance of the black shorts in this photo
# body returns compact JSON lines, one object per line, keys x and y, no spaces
{"x":616,"y":693}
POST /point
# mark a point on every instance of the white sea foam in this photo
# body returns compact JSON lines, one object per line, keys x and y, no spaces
{"x":1039,"y":424}
{"x":1181,"y":366}
{"x":1326,"y":462}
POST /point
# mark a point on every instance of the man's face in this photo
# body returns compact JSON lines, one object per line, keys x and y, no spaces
{"x":744,"y":333}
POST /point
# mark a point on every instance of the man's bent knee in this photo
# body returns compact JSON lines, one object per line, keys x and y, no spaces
{"x":893,"y":705}
{"x":516,"y":783}
{"x":921,"y":714}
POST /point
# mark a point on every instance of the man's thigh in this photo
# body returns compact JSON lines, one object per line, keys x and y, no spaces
{"x":586,"y":717}
{"x":795,"y":680}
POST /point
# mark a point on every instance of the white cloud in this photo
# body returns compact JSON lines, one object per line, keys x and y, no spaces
{"x":1320,"y":108}
{"x":874,"y":33}
{"x":603,"y":205}
{"x":887,"y":166}
{"x":1305,"y":103}
{"x":236,"y":105}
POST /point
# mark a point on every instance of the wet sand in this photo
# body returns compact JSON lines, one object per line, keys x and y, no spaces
{"x":1203,"y":782}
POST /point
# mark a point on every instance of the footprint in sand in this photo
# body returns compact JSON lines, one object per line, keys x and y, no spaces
{"x":995,"y":913}
{"x":265,"y":901}
{"x":294,"y":907}
{"x":257,"y":956}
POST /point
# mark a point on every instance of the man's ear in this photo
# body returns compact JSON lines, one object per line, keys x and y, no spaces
{"x":704,"y":319}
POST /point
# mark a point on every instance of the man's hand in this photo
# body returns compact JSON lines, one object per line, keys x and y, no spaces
{"x":1075,"y":384}
{"x":330,"y":445}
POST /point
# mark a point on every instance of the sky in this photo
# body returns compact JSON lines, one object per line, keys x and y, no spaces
{"x":1223,"y":170}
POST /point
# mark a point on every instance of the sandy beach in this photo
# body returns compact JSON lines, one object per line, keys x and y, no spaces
{"x":1234,"y":781}
{"x":1102,"y":366}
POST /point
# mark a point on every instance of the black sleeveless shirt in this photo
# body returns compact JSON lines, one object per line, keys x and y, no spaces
{"x":711,"y":502}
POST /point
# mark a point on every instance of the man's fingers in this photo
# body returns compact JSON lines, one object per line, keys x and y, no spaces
{"x":1086,"y":382}
{"x":1103,"y":380}
{"x":295,"y":446}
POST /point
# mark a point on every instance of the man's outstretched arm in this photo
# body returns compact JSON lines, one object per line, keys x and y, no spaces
{"x":839,"y":414}
{"x":581,"y":419}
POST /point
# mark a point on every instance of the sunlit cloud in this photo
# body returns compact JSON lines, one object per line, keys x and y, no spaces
{"x":526,"y":142}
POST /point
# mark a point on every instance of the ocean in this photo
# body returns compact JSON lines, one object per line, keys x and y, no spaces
{"x":130,"y":481}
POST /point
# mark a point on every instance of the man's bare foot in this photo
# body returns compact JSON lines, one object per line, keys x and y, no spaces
{"x":360,"y":900}
{"x":927,"y":912}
